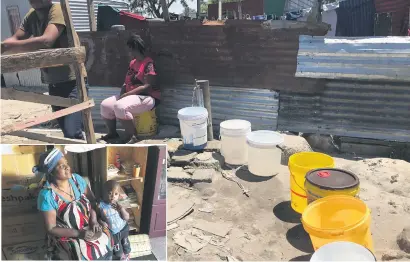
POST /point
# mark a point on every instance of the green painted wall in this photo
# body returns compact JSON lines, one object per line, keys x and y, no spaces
{"x":274,"y":7}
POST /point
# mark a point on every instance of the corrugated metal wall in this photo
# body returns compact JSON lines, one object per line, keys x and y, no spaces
{"x":400,"y":14}
{"x":259,"y":106}
{"x":79,"y":11}
{"x":348,"y":108}
{"x":375,"y":58}
{"x":355,"y":18}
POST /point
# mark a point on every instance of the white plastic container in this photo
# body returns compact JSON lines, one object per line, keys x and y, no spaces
{"x":263,"y":155}
{"x":233,"y":141}
{"x":193,"y":122}
{"x":342,"y":251}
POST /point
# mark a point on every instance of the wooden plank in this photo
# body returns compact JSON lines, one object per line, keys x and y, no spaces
{"x":42,"y":59}
{"x":82,"y":91}
{"x":46,"y":138}
{"x":91,"y":15}
{"x":13,"y":94}
{"x":42,"y":119}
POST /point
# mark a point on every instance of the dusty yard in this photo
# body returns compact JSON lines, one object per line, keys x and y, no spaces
{"x":263,"y":225}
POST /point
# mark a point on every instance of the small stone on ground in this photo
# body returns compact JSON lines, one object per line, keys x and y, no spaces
{"x":183,"y":157}
{"x":177,"y":174}
{"x":203,"y":175}
{"x":208,"y":160}
{"x":403,"y":240}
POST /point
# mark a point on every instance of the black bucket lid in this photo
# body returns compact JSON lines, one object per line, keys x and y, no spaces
{"x":332,"y":178}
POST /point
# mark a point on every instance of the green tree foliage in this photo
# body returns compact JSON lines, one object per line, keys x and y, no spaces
{"x":153,"y":7}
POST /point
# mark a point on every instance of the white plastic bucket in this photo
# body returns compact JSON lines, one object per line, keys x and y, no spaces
{"x":342,"y":251}
{"x":193,"y":122}
{"x":233,"y":141}
{"x":263,"y":155}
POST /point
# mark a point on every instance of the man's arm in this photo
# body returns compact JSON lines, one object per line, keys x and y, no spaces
{"x":47,"y":40}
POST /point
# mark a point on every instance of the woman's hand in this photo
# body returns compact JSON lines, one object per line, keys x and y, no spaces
{"x":95,"y":226}
{"x":87,"y":235}
{"x":103,"y":224}
{"x":116,"y":206}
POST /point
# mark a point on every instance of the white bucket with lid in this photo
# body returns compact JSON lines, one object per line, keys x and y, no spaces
{"x":263,"y":155}
{"x":193,"y":122}
{"x":342,"y":251}
{"x":233,"y":141}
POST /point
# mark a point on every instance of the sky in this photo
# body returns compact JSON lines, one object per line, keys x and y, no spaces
{"x":177,"y":8}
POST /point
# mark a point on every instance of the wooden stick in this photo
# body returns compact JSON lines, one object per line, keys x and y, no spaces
{"x":13,"y":94}
{"x":82,"y":91}
{"x":91,"y":15}
{"x":42,"y":59}
{"x":204,"y":85}
{"x":42,"y":119}
{"x":165,"y":12}
{"x":47,"y":138}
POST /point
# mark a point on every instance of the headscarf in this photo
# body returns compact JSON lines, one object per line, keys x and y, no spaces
{"x":48,"y":161}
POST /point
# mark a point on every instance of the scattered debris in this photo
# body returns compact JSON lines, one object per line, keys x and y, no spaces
{"x":203,"y":176}
{"x":394,"y":178}
{"x":192,"y":239}
{"x":230,"y":177}
{"x":172,"y":226}
{"x":183,"y":157}
{"x":207,"y":208}
{"x":403,"y":240}
{"x":218,"y":242}
{"x":220,"y":228}
{"x":179,"y":211}
{"x":391,"y":255}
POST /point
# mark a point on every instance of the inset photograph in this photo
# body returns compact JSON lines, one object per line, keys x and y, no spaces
{"x":83,"y":202}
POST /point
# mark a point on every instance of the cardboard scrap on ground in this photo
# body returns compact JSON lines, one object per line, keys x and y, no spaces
{"x":179,"y":211}
{"x":172,"y":226}
{"x":217,"y":228}
{"x":192,"y":239}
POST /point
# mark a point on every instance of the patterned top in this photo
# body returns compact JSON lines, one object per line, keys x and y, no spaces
{"x":112,"y":217}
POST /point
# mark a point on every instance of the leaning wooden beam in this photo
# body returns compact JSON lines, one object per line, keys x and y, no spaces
{"x":42,"y":119}
{"x":42,"y":59}
{"x":13,"y":94}
{"x":74,"y":41}
{"x":46,"y":137}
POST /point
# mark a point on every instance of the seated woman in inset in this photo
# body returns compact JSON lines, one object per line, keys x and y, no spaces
{"x":67,"y":202}
{"x":138,"y":94}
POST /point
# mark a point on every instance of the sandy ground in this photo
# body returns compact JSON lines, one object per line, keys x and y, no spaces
{"x":265,"y":227}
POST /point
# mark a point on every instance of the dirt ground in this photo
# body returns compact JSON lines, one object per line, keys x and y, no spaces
{"x":264,"y":227}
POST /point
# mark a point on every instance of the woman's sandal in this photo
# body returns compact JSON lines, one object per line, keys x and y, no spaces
{"x":133,"y":140}
{"x":109,"y":137}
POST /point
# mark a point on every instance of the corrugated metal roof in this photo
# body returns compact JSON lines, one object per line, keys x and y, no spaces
{"x":259,"y":106}
{"x":348,"y":108}
{"x":79,"y":11}
{"x":377,"y":58}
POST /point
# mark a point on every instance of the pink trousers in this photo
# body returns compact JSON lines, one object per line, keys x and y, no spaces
{"x":112,"y":108}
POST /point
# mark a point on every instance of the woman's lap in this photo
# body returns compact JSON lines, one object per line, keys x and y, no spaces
{"x":127,"y":107}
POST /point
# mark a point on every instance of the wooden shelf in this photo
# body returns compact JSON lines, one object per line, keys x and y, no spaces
{"x":42,"y":59}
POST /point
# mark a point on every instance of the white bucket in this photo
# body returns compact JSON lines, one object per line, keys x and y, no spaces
{"x":263,"y":155}
{"x":342,"y":251}
{"x":233,"y":141}
{"x":193,"y":122}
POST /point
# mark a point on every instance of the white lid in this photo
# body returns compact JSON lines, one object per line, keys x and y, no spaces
{"x":82,"y":148}
{"x":342,"y":251}
{"x":235,"y":127}
{"x":264,"y":138}
{"x":192,"y":113}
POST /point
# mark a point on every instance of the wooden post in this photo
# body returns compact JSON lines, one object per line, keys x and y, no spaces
{"x":198,"y":7}
{"x":91,"y":15}
{"x":82,"y":91}
{"x":165,"y":12}
{"x":204,"y":86}
{"x":319,"y":13}
{"x":220,"y":10}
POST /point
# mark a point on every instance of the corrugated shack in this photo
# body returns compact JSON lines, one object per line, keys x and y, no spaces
{"x":367,"y":91}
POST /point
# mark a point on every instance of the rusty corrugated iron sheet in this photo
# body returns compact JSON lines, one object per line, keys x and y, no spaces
{"x":400,"y":14}
{"x":239,"y":54}
{"x":376,"y":58}
{"x":350,"y":108}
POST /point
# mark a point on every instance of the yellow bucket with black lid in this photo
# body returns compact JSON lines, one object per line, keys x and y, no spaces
{"x":324,"y":182}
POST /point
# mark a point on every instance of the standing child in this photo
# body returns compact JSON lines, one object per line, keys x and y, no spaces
{"x":115,"y":217}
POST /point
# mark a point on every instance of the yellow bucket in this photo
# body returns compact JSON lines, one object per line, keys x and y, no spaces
{"x":330,"y":181}
{"x":299,"y":165}
{"x":146,"y":123}
{"x":338,"y":218}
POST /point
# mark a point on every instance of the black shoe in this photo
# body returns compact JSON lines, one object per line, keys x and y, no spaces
{"x":132,"y":140}
{"x":109,"y":137}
